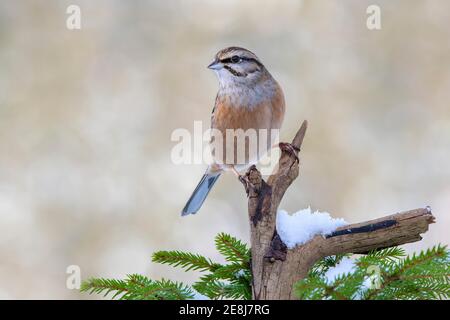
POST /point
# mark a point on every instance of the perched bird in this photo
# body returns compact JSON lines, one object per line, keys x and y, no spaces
{"x":248,"y":98}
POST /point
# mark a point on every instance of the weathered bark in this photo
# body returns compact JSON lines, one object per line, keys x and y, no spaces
{"x":276,"y":268}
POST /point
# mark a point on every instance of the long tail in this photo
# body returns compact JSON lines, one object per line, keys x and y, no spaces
{"x":200,"y":193}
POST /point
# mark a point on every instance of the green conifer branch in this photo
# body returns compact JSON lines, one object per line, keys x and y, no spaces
{"x":232,"y":249}
{"x":186,"y":260}
{"x":138,"y":287}
{"x":421,"y":276}
{"x":425,"y":275}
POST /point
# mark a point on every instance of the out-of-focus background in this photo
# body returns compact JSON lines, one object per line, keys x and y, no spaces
{"x":86,"y":117}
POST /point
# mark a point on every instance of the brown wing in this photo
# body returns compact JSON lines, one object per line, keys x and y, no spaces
{"x":213,"y":112}
{"x":213,"y":117}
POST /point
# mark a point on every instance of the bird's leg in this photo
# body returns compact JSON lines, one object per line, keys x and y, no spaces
{"x":290,"y":149}
{"x":243,"y":178}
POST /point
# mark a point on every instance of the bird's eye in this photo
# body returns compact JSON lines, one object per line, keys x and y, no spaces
{"x":235,"y":59}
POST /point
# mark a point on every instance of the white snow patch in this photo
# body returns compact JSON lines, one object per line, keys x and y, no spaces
{"x":345,"y":266}
{"x":303,"y":225}
{"x":240,"y":273}
{"x":367,"y":284}
{"x":199,"y":296}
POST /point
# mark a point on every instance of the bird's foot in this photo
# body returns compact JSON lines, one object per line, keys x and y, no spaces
{"x":290,"y":149}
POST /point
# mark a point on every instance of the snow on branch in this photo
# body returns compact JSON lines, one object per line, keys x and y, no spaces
{"x":301,"y":226}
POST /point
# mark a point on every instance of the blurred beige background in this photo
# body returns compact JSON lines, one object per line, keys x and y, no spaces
{"x":86,"y":116}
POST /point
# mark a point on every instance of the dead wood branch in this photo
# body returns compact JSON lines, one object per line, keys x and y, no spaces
{"x":276,"y":268}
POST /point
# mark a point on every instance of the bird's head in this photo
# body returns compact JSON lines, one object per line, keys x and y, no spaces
{"x":235,"y":65}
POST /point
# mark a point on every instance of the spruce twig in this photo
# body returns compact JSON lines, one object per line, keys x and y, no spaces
{"x":425,"y":275}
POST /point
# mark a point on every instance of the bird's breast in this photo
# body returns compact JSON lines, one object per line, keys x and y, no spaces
{"x":232,"y":114}
{"x":245,"y":111}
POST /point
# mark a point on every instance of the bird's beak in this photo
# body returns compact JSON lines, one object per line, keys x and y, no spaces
{"x":215,"y":65}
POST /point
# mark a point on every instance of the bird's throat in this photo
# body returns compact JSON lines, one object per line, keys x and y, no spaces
{"x":239,"y":95}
